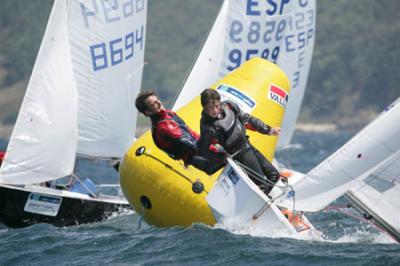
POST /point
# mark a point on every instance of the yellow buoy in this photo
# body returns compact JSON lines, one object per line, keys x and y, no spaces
{"x":160,"y":188}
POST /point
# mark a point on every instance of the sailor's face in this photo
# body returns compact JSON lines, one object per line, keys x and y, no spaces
{"x":154,"y":105}
{"x":213,"y":108}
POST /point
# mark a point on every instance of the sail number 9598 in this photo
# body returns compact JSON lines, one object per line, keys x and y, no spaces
{"x":236,"y":57}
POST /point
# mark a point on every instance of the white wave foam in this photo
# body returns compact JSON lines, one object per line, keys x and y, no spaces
{"x":363,"y":236}
{"x":236,"y":227}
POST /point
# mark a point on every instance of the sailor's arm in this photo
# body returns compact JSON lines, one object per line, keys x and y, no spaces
{"x":171,"y":130}
{"x":255,"y":124}
{"x":209,"y":141}
{"x":212,"y":153}
{"x":206,"y":135}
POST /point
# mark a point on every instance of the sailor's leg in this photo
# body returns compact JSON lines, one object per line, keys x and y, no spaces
{"x":249,"y":159}
{"x":268,"y":169}
{"x":206,"y":164}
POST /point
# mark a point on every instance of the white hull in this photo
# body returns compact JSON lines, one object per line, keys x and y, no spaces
{"x":235,"y":198}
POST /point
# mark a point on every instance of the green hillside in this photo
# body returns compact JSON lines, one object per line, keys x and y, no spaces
{"x":353,"y":75}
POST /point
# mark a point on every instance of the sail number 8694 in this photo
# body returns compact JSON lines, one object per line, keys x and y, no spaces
{"x":116,"y":51}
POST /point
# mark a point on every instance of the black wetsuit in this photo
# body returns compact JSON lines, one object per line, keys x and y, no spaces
{"x":229,"y":130}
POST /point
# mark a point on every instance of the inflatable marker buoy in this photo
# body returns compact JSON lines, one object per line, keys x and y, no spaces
{"x":260,"y":88}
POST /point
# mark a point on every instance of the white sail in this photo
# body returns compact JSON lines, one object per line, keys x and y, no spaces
{"x":341,"y":171}
{"x":43,"y":143}
{"x":80,"y":98}
{"x":280,"y":31}
{"x":107,"y":42}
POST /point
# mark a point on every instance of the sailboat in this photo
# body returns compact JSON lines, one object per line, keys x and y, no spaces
{"x":78,"y":104}
{"x":366,"y":169}
{"x":161,"y":189}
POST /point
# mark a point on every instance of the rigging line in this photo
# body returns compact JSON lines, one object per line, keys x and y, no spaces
{"x":171,"y":168}
{"x":346,"y":89}
{"x":259,"y":177}
{"x":349,"y":86}
{"x":336,"y":207}
{"x":265,"y":181}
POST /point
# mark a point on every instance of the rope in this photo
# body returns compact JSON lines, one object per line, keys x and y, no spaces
{"x":259,"y":177}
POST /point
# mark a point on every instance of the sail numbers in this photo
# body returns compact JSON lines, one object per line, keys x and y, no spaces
{"x":269,"y":28}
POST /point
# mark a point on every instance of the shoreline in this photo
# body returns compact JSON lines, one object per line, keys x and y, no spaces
{"x":316,"y":127}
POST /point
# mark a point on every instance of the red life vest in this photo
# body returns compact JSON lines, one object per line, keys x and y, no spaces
{"x":2,"y":155}
{"x":172,"y":135}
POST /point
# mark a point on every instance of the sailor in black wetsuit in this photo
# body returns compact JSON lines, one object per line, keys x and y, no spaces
{"x":225,"y":124}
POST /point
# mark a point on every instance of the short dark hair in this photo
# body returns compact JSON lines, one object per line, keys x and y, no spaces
{"x":209,"y":95}
{"x":140,"y":102}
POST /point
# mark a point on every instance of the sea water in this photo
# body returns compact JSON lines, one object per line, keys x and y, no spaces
{"x":121,"y":241}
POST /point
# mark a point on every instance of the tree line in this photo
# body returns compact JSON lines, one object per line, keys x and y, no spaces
{"x":354,"y":71}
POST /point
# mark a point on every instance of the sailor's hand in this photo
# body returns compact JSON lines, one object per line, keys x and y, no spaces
{"x":217,"y":148}
{"x":275,"y":131}
{"x":185,"y":166}
{"x":284,"y":179}
{"x":220,"y":148}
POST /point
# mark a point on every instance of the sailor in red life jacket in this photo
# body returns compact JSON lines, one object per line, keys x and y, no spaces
{"x":172,"y":135}
{"x":2,"y":155}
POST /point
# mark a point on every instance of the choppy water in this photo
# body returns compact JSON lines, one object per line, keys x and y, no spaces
{"x":119,"y":240}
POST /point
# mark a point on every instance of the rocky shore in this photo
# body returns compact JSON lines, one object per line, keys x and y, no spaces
{"x":310,"y":127}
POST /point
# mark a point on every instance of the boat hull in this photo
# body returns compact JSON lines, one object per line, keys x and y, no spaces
{"x":72,"y":210}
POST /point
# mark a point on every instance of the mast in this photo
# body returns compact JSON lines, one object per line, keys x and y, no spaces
{"x":363,"y":208}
